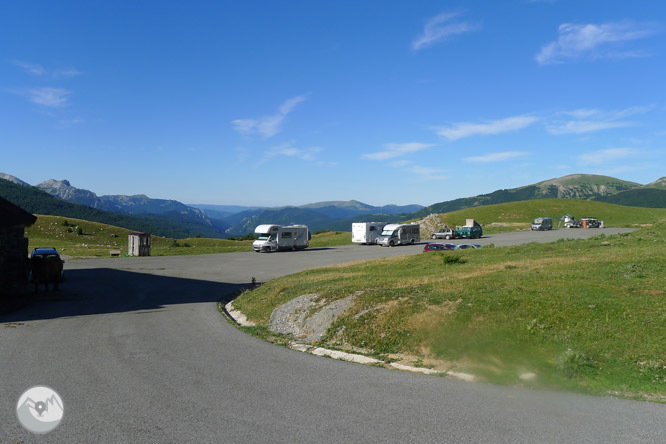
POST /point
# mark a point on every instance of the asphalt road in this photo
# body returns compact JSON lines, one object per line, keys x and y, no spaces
{"x":139,"y":353}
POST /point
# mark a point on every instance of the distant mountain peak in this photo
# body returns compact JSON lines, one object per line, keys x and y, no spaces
{"x":13,"y":179}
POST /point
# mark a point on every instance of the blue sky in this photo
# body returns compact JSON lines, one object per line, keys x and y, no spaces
{"x":291,"y":102}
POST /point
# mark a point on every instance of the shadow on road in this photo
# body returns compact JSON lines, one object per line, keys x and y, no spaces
{"x":103,"y":290}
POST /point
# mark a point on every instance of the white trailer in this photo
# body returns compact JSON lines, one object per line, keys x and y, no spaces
{"x":276,"y":237}
{"x":400,"y":234}
{"x":366,"y":232}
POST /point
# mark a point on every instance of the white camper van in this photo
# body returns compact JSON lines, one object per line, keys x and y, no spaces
{"x":400,"y":234}
{"x":276,"y":237}
{"x":366,"y":232}
{"x":542,"y":223}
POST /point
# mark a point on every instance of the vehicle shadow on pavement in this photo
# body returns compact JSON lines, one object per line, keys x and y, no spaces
{"x":103,"y":290}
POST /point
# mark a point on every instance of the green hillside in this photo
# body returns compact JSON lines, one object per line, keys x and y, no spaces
{"x":574,"y":186}
{"x":519,"y":215}
{"x":641,"y":197}
{"x":36,"y":201}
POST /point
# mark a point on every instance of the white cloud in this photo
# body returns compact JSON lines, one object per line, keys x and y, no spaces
{"x":38,"y":70}
{"x":440,"y":28}
{"x":51,"y":97}
{"x":394,"y":150}
{"x":69,"y":72}
{"x":495,"y":157}
{"x":267,"y":126}
{"x":608,"y":155}
{"x":590,"y":120}
{"x":30,"y":68}
{"x":287,"y":150}
{"x":466,"y":129}
{"x":584,"y":126}
{"x":426,"y":173}
{"x":592,"y":41}
{"x":400,"y":163}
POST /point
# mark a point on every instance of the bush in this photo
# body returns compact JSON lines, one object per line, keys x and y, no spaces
{"x":448,"y":259}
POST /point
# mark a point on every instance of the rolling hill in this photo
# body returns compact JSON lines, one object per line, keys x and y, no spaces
{"x":575,"y":186}
{"x":37,"y":201}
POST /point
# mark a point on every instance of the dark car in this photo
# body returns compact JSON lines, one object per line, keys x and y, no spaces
{"x":438,"y":247}
{"x":45,"y":252}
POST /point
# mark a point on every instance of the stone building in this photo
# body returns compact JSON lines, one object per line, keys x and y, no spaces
{"x":13,"y":248}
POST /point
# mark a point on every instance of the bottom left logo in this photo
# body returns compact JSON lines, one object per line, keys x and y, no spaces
{"x":40,"y":409}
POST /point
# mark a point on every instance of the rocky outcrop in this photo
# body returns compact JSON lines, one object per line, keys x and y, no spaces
{"x":308,"y":317}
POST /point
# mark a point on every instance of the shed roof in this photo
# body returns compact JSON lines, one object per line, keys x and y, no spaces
{"x":13,"y":216}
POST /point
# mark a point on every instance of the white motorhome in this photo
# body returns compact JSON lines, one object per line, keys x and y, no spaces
{"x":542,"y":223}
{"x":366,"y":232}
{"x":276,"y":237}
{"x":400,"y":234}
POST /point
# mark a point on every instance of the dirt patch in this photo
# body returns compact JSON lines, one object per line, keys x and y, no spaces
{"x":432,"y":315}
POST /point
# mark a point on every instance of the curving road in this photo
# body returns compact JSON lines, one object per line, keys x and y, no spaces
{"x":139,"y":353}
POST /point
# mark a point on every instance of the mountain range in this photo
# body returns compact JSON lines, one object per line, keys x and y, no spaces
{"x":161,"y":216}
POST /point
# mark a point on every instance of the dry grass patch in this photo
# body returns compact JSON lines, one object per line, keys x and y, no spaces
{"x":432,"y":315}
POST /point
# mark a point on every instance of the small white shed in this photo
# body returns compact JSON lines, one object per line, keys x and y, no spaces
{"x":139,"y":244}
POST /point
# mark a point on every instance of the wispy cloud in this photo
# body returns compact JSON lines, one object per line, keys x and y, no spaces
{"x":67,"y":72}
{"x":288,"y":150}
{"x":427,"y":174}
{"x":267,"y":126}
{"x":31,"y":68}
{"x":394,"y":150}
{"x":608,"y":155}
{"x":49,"y":97}
{"x":440,"y":28}
{"x":589,"y":120}
{"x":496,"y":157}
{"x":595,"y":41}
{"x":39,"y":71}
{"x":466,"y":129}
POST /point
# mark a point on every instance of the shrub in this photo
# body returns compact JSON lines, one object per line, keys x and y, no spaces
{"x":448,"y":259}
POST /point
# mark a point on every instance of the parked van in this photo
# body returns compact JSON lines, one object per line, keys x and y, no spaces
{"x":366,"y":232}
{"x":400,"y":234}
{"x":276,"y":237}
{"x":542,"y":223}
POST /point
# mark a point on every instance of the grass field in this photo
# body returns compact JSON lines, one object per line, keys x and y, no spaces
{"x":586,"y":315}
{"x":517,"y":216}
{"x":79,"y":238}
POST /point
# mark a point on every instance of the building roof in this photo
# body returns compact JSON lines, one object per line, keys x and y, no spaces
{"x":12,"y":216}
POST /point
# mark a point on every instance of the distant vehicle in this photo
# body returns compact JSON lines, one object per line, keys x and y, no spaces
{"x":542,"y":223}
{"x":467,"y":246}
{"x":366,"y":232}
{"x":277,"y":237}
{"x":44,"y":252}
{"x":471,"y":230}
{"x":46,"y":267}
{"x":400,"y":234}
{"x":445,"y":233}
{"x":590,"y":222}
{"x":438,"y":247}
{"x":583,"y":222}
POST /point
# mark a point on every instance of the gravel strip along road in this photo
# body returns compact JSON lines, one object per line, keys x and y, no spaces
{"x":139,"y":353}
